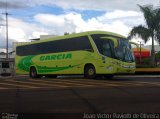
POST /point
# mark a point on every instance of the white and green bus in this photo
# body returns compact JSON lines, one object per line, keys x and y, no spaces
{"x":90,"y":54}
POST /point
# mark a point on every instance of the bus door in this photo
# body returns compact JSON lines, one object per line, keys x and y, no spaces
{"x":108,"y":50}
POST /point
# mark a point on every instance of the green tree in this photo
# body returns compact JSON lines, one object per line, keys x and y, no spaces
{"x":149,"y":31}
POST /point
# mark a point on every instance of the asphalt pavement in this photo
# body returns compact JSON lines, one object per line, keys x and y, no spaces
{"x":77,"y":97}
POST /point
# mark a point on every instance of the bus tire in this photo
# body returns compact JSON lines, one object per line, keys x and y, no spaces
{"x":33,"y":73}
{"x":90,"y":72}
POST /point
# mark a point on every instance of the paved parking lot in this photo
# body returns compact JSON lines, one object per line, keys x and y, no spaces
{"x":122,"y":94}
{"x":24,"y":82}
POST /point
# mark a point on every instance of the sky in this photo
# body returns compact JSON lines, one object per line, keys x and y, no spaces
{"x":28,"y":19}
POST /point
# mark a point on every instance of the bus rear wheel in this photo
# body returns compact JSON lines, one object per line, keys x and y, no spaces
{"x":90,"y":72}
{"x":33,"y":72}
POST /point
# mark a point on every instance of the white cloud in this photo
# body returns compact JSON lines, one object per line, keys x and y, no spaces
{"x":21,"y":31}
{"x":93,"y":4}
{"x":73,"y":22}
{"x":102,"y":5}
{"x":16,"y":33}
{"x":48,"y":19}
{"x":120,"y":17}
{"x":119,"y":14}
{"x":58,"y":24}
{"x":130,"y":18}
{"x":44,"y":24}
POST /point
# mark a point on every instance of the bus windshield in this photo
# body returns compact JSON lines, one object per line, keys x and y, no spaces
{"x":106,"y":47}
{"x":124,"y":51}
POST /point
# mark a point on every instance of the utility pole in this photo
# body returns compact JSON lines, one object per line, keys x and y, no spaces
{"x":140,"y":52}
{"x":6,"y":14}
{"x":6,"y":35}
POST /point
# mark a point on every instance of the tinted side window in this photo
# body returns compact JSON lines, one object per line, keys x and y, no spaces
{"x":64,"y":45}
{"x":104,"y":47}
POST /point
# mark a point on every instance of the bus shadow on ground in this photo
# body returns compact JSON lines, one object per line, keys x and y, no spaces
{"x":113,"y":79}
{"x":98,"y":78}
{"x":147,"y":73}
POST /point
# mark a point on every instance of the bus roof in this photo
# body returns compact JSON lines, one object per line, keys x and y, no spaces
{"x":73,"y":35}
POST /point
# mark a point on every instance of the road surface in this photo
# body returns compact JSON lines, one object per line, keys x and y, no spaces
{"x":76,"y":96}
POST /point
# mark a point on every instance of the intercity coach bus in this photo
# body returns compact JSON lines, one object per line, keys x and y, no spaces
{"x":89,"y":53}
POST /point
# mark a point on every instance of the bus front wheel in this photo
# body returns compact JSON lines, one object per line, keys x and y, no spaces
{"x":90,"y":72}
{"x":33,"y":72}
